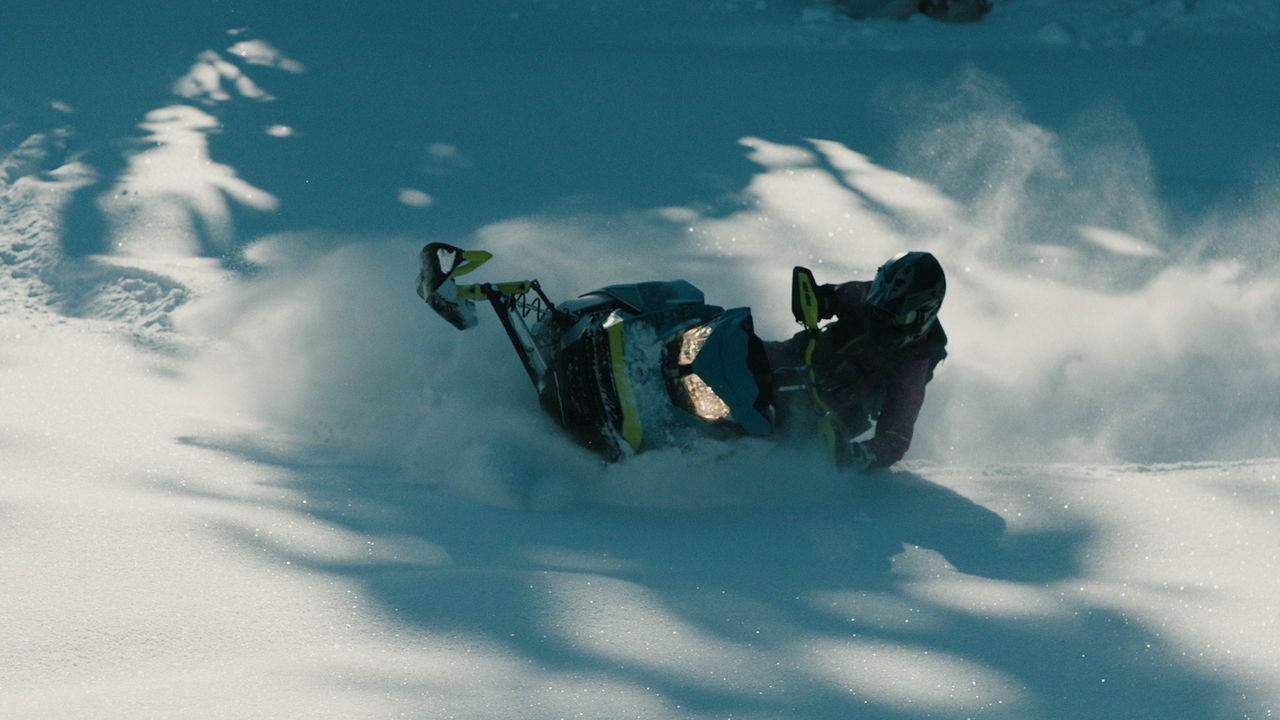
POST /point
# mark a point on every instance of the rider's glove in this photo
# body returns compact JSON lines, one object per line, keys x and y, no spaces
{"x":826,"y":295}
{"x":858,"y":456}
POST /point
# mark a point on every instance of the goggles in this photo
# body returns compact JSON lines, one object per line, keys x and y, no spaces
{"x":907,"y":319}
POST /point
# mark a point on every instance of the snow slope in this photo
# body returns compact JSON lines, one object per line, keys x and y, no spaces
{"x":245,"y":473}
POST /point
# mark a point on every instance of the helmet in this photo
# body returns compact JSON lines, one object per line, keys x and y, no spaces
{"x":906,"y":295}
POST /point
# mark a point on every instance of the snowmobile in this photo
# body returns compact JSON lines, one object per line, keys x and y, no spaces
{"x":625,"y":367}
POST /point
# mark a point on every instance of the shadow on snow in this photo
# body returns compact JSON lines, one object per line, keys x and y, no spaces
{"x":752,"y":586}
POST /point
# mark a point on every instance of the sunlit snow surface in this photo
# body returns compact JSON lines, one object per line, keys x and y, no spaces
{"x":245,"y":472}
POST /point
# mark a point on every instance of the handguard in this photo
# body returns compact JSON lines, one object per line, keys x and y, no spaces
{"x":805,"y":308}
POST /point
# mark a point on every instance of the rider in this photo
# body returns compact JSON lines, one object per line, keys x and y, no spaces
{"x":873,"y":362}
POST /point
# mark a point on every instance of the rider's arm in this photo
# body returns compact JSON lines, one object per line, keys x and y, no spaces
{"x":903,"y":400}
{"x":841,"y":300}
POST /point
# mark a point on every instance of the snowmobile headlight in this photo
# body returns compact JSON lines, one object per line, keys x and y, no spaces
{"x":691,"y":343}
{"x":706,"y":404}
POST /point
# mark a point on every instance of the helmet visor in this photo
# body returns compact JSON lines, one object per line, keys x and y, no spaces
{"x":892,"y":330}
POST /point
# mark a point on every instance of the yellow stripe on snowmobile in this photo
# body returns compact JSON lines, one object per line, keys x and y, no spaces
{"x":476,"y":292}
{"x":632,"y":431}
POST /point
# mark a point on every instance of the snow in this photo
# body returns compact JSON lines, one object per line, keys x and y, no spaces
{"x":245,"y":472}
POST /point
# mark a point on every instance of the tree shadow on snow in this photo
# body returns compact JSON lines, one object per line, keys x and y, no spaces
{"x":751,"y":611}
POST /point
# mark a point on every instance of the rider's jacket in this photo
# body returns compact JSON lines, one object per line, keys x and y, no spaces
{"x":862,"y":382}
